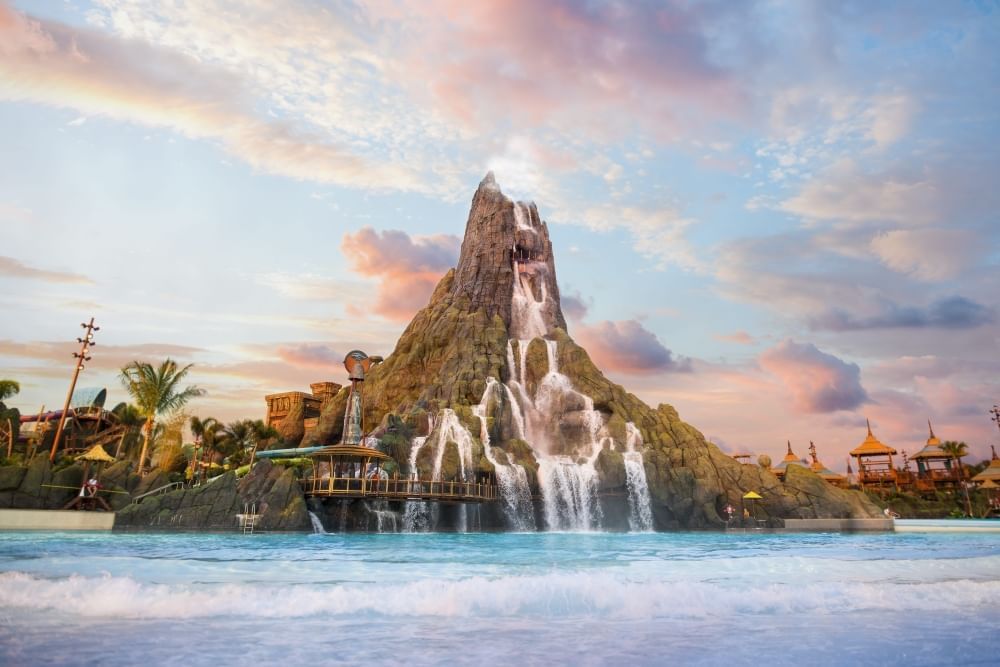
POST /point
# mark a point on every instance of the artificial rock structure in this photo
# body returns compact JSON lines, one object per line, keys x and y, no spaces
{"x":486,"y":379}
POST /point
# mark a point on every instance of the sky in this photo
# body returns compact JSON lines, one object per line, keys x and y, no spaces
{"x":779,"y":217}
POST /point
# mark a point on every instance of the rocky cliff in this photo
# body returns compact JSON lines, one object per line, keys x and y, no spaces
{"x":487,"y":380}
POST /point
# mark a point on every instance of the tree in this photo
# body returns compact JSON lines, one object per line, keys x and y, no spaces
{"x":9,"y":388}
{"x":956,"y":450}
{"x":206,"y":433}
{"x":156,"y":391}
{"x":129,"y":417}
{"x":10,"y":418}
{"x":245,"y":435}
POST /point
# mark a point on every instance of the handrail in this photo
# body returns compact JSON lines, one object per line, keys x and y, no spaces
{"x":158,"y":490}
{"x":398,"y":488}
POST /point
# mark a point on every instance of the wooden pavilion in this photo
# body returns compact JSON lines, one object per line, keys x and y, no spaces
{"x":935,"y":468}
{"x":992,"y":471}
{"x":828,"y":475}
{"x":790,"y":460}
{"x":875,"y":469}
{"x":989,"y":481}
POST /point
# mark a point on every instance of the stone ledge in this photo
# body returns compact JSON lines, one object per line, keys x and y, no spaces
{"x":55,"y":520}
{"x":839,"y":525}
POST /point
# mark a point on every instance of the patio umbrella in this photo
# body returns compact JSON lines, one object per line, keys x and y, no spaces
{"x":96,"y":454}
{"x":752,"y":496}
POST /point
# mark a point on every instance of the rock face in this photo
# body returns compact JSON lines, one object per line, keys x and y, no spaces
{"x":486,"y":380}
{"x":274,"y":490}
{"x":37,"y":486}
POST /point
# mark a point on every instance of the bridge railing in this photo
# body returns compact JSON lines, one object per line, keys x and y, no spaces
{"x":397,"y":488}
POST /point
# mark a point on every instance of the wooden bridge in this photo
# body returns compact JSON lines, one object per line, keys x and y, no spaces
{"x":399,"y":489}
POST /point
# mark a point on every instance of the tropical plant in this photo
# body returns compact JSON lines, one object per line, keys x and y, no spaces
{"x":156,"y":391}
{"x":129,"y":417}
{"x":207,"y":432}
{"x":243,"y":437}
{"x":956,"y":450}
{"x":9,"y":388}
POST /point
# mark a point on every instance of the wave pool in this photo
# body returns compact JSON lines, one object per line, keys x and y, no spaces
{"x":528,"y":598}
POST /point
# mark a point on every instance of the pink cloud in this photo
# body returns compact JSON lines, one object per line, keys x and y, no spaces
{"x":408,"y":267}
{"x":311,"y":355}
{"x":628,"y":347}
{"x":741,"y":337}
{"x":538,"y":61}
{"x":63,"y":66}
{"x":818,"y":382}
{"x":16,"y":269}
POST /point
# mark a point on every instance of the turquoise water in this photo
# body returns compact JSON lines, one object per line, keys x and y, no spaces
{"x":529,"y":599}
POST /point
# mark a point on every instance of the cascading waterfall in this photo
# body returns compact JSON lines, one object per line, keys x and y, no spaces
{"x":452,"y":430}
{"x":512,"y":479}
{"x":416,"y":516}
{"x":421,"y":516}
{"x":568,"y":484}
{"x":640,"y":517}
{"x":385,"y":519}
{"x":317,"y":525}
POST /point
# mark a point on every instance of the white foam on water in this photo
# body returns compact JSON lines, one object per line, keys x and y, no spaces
{"x":553,"y":596}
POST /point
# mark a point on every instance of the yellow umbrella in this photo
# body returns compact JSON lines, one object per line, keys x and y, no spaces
{"x":96,"y":453}
{"x":989,"y":484}
{"x":752,"y":496}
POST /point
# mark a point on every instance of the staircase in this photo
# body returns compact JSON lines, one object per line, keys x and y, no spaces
{"x":105,"y":437}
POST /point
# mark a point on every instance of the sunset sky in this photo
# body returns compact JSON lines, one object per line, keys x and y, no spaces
{"x":779,"y":217}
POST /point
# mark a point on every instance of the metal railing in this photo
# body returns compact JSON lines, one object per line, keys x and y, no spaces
{"x":157,"y":491}
{"x":400,"y":489}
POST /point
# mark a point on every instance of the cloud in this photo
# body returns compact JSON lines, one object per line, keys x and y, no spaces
{"x":659,"y":233}
{"x":408,"y":268}
{"x":556,"y":62}
{"x":16,"y":269}
{"x":845,"y":193}
{"x":311,"y":355}
{"x":312,"y":287}
{"x":818,"y":382}
{"x":573,"y":306}
{"x":628,"y":347}
{"x":62,"y":66}
{"x":955,"y":312}
{"x":741,"y":337}
{"x":928,"y":254}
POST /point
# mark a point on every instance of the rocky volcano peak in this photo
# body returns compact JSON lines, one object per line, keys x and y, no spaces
{"x":503,"y":236}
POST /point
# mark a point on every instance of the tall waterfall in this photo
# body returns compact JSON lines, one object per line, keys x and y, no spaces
{"x":512,"y":478}
{"x":640,"y":517}
{"x":567,"y":476}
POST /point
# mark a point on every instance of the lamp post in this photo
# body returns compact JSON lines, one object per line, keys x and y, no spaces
{"x":83,"y":355}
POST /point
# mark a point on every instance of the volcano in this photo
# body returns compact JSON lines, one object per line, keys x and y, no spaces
{"x":486,"y":380}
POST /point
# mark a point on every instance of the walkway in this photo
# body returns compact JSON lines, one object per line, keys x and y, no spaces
{"x":399,"y":489}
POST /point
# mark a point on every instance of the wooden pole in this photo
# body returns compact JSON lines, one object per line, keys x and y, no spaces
{"x":10,"y":438}
{"x":121,"y":441}
{"x":81,"y":356}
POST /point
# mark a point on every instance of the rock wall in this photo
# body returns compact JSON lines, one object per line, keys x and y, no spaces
{"x":275,"y":490}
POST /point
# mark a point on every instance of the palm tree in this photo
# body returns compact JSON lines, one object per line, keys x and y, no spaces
{"x":245,"y":435}
{"x":206,"y":432}
{"x":8,"y":388}
{"x":129,"y":417}
{"x":956,"y":450}
{"x":156,"y":391}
